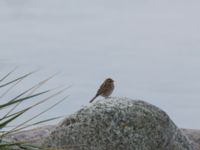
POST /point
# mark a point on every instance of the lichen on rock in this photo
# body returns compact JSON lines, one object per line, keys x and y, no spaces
{"x":118,"y":124}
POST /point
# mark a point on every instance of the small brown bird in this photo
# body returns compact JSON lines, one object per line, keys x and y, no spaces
{"x":105,"y":89}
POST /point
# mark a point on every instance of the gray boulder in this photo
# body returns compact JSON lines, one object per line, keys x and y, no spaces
{"x":118,"y":124}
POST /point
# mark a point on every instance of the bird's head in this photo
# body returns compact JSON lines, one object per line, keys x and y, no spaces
{"x":109,"y":80}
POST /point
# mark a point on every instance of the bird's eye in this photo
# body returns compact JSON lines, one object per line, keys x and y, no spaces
{"x":110,"y":80}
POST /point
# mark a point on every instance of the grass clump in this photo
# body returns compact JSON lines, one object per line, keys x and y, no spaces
{"x":9,"y":109}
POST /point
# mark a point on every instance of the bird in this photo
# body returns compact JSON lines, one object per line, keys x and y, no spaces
{"x":105,"y":89}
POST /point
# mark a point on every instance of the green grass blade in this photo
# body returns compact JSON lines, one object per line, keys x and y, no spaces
{"x":3,"y":124}
{"x":50,"y":97}
{"x":9,"y":116}
{"x":30,"y":147}
{"x":7,"y":75}
{"x":2,"y":145}
{"x":37,"y":123}
{"x":20,"y":125}
{"x":19,"y":78}
{"x":3,"y":106}
{"x":42,"y":83}
{"x":39,"y":114}
{"x":10,"y":88}
{"x":32,"y":89}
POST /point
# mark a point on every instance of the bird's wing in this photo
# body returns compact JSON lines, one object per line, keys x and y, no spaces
{"x":104,"y":87}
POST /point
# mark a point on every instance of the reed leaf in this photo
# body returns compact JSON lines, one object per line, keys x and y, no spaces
{"x":3,"y":124}
{"x":19,"y":78}
{"x":17,"y":128}
{"x":3,"y":106}
{"x":8,"y":74}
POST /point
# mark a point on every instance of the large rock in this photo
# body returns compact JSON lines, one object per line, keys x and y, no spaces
{"x":118,"y":124}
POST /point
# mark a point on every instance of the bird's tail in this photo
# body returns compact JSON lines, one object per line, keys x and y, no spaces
{"x":93,"y":98}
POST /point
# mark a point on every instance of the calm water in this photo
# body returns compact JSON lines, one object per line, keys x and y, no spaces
{"x":150,"y":48}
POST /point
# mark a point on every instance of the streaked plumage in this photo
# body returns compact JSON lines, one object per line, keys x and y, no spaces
{"x":105,"y":89}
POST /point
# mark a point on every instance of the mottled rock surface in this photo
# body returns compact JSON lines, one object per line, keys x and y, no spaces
{"x":193,"y":135}
{"x":33,"y":136}
{"x":119,"y":124}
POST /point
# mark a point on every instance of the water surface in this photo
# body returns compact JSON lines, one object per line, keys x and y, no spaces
{"x":150,"y":48}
